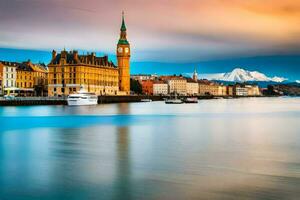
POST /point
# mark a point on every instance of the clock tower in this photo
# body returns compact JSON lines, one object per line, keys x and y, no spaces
{"x":123,"y":55}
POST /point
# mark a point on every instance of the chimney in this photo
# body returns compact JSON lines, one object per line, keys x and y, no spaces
{"x":53,"y":54}
{"x":75,"y":55}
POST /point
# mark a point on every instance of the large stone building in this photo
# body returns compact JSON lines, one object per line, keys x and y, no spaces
{"x":69,"y":72}
{"x":246,"y":90}
{"x":147,"y":87}
{"x":210,"y":88}
{"x":23,"y":78}
{"x":192,"y":86}
{"x":32,"y":79}
{"x":177,"y":85}
{"x":160,"y":88}
{"x":9,"y":76}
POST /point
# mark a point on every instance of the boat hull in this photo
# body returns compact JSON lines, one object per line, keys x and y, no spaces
{"x":82,"y":102}
{"x":174,"y":102}
{"x":191,"y":100}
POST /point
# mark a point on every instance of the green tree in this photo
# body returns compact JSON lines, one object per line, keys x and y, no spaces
{"x":135,"y":86}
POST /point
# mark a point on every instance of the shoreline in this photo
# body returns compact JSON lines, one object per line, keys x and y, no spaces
{"x":31,"y":101}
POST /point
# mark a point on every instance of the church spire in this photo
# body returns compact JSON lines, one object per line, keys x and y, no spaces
{"x":195,"y":75}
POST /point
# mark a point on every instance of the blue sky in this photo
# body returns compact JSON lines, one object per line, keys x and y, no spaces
{"x":287,"y":66}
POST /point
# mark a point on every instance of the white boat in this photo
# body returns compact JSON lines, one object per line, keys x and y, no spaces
{"x":174,"y":100}
{"x":82,"y":98}
{"x":146,"y":100}
{"x":191,"y":100}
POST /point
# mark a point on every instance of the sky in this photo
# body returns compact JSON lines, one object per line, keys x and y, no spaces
{"x":172,"y":31}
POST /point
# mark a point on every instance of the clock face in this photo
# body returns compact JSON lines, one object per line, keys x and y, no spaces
{"x":120,"y":49}
{"x":126,"y":50}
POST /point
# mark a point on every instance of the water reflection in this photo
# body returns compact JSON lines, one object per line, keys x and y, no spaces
{"x":123,"y":171}
{"x":216,"y":150}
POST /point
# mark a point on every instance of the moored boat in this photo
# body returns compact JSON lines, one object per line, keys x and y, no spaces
{"x":82,"y":98}
{"x":146,"y":100}
{"x":191,"y":100}
{"x":173,"y":100}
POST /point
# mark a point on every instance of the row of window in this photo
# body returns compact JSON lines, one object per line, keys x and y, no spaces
{"x":100,"y":83}
{"x":25,"y":85}
{"x":12,"y":69}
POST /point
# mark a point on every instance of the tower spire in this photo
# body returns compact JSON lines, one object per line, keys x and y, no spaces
{"x":195,"y":75}
{"x":123,"y":27}
{"x":123,"y":38}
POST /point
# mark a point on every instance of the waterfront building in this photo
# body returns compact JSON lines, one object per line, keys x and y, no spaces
{"x":222,"y":90}
{"x":210,"y":88}
{"x":160,"y":88}
{"x":192,"y":86}
{"x":253,"y":90}
{"x":32,"y":79}
{"x":230,"y":90}
{"x":240,"y":90}
{"x":123,"y":56}
{"x":69,"y":71}
{"x":147,"y":87}
{"x":9,"y":76}
{"x":177,"y":84}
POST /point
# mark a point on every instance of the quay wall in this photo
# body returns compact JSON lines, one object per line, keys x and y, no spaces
{"x":24,"y":101}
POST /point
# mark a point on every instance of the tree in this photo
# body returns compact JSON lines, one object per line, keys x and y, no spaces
{"x":136,"y":86}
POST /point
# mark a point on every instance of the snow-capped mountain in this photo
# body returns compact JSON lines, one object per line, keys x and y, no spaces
{"x":241,"y":75}
{"x":297,"y":81}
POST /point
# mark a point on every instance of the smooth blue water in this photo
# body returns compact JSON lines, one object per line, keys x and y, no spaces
{"x":217,"y":149}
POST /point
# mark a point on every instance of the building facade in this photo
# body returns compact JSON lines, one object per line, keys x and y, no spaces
{"x":160,"y":88}
{"x":230,"y":90}
{"x":192,"y":87}
{"x":211,"y":88}
{"x":69,"y":72}
{"x":147,"y":87}
{"x":253,"y":90}
{"x":240,"y":90}
{"x":32,"y":79}
{"x":177,"y":85}
{"x":9,"y":77}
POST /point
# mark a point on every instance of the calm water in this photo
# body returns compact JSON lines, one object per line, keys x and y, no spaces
{"x":217,"y":149}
